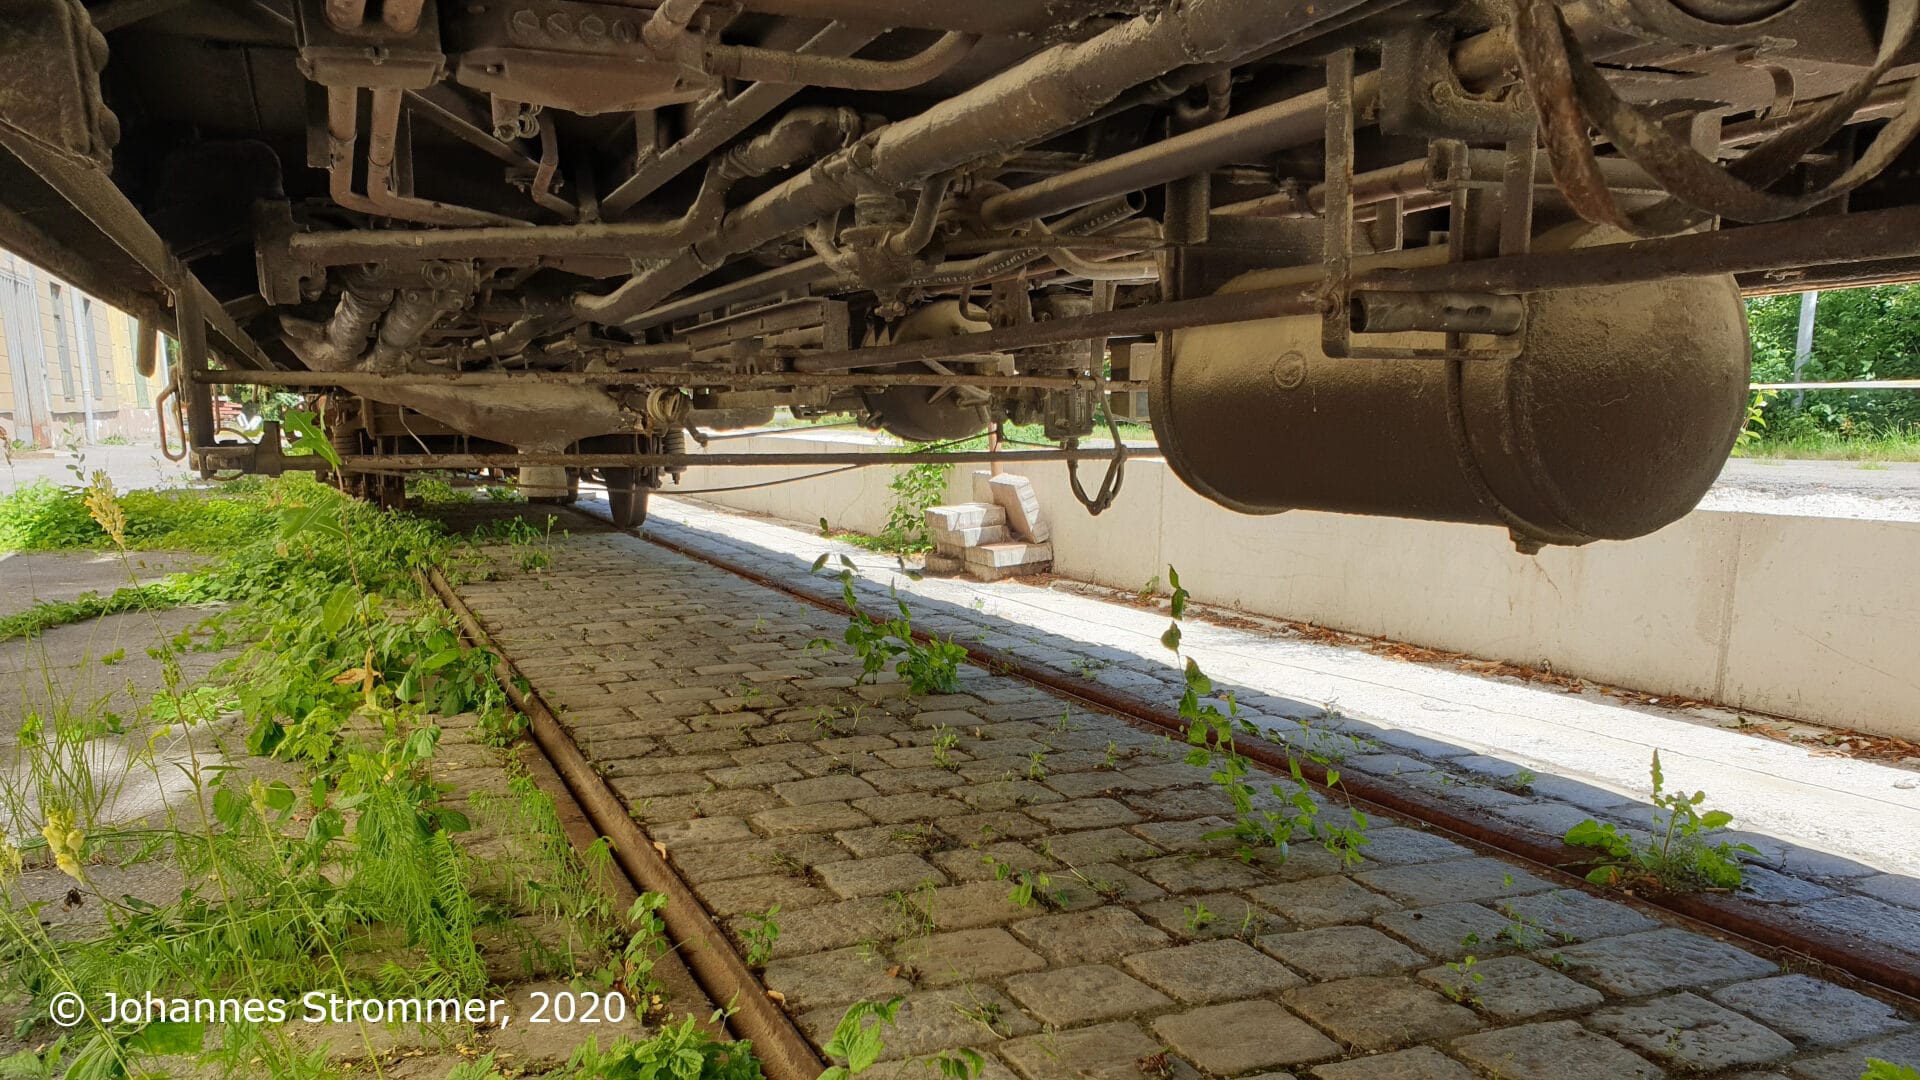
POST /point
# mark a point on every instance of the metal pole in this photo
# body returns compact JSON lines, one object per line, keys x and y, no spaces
{"x":1803,"y":342}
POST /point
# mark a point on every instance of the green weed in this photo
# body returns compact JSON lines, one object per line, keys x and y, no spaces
{"x":1210,"y":737}
{"x":1677,"y":858}
{"x":932,"y":667}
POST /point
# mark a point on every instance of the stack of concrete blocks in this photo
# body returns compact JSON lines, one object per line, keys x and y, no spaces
{"x":1000,"y":534}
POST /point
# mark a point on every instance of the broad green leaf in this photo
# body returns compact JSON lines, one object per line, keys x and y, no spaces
{"x":163,"y":1038}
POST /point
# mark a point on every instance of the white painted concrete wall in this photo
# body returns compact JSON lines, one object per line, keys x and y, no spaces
{"x":1810,"y":617}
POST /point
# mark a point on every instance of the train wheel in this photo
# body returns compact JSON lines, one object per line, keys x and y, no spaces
{"x":626,"y":497}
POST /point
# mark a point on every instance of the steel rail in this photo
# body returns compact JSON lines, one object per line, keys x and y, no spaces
{"x":1759,"y":926}
{"x":783,"y":1051}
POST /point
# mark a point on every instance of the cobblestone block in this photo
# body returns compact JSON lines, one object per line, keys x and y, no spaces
{"x":1447,"y":931}
{"x":699,"y":741}
{"x":1166,"y":774}
{"x":701,"y":831}
{"x":967,"y":956}
{"x":735,"y":896}
{"x":1065,"y":997}
{"x":1247,"y":1035}
{"x":916,"y":806}
{"x":867,"y":921}
{"x":1184,"y":803}
{"x":715,"y":862}
{"x":1761,"y":885}
{"x":776,"y":752}
{"x":1552,"y":818}
{"x":1087,"y":784}
{"x":1212,"y":971}
{"x":809,"y":818}
{"x":1323,"y":901}
{"x":673,"y":764}
{"x":1561,"y":1050}
{"x":1105,"y":933}
{"x":1341,"y":952}
{"x":1456,"y":880}
{"x":1102,"y":1052}
{"x":825,"y":789}
{"x":905,"y":781}
{"x":1851,"y":1063}
{"x":1867,"y":920}
{"x":1187,"y":837}
{"x":1571,"y":915}
{"x":934,"y":1020}
{"x":1692,"y":1033}
{"x":836,"y":977}
{"x":999,"y":794}
{"x":1189,"y":874}
{"x":1101,"y":883}
{"x":1098,"y":845}
{"x":1419,"y":1063}
{"x":1232,"y":916}
{"x":1381,"y":1013}
{"x":1084,"y":814}
{"x":1513,"y":988}
{"x":850,"y":745}
{"x":877,"y":877}
{"x":975,"y":904}
{"x":1399,"y":846}
{"x":734,"y":802}
{"x":1893,"y":888}
{"x":980,"y":863}
{"x":653,"y":787}
{"x":1640,"y":964}
{"x":1811,"y":1011}
{"x":990,"y":826}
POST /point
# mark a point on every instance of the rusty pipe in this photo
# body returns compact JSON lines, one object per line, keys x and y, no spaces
{"x":541,"y":190}
{"x":343,"y":131}
{"x":926,"y":215}
{"x":624,"y":239}
{"x":1049,"y":92}
{"x":802,"y":133}
{"x":1427,"y":183}
{"x":382,"y":143}
{"x":839,"y":72}
{"x":1485,"y":59}
{"x":666,"y":29}
{"x":653,"y":168}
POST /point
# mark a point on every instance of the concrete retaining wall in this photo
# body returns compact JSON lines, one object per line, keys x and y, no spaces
{"x":1808,"y":617}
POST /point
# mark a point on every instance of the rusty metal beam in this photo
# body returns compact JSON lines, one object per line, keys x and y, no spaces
{"x":349,"y":380}
{"x":241,"y":456}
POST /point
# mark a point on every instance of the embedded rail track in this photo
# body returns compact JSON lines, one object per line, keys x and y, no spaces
{"x":785,"y":1047}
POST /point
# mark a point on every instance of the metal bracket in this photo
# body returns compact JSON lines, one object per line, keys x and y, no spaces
{"x":1420,"y":93}
{"x":1350,"y":310}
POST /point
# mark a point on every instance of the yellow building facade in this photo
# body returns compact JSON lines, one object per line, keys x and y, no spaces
{"x":67,"y":364}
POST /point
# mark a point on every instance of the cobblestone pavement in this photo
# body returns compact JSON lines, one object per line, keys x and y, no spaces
{"x":771,"y":777}
{"x":1834,"y":835}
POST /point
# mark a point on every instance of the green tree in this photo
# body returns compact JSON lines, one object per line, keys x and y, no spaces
{"x":1866,"y":333}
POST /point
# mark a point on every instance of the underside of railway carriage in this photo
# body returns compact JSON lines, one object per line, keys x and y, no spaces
{"x":1466,"y":260}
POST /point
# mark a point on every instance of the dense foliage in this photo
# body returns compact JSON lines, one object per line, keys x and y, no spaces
{"x":1868,"y":333}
